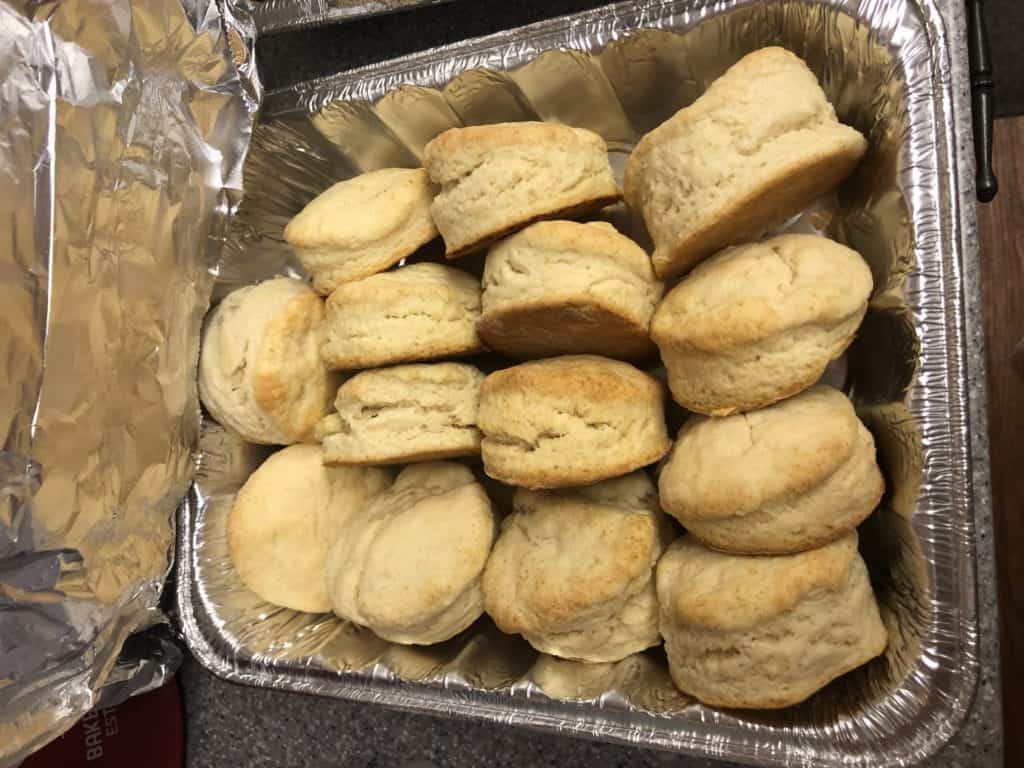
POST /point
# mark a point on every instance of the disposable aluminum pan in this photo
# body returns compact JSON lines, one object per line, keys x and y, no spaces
{"x":620,"y":71}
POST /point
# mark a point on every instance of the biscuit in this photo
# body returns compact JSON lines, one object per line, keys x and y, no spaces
{"x":570,"y":420}
{"x":405,"y":413}
{"x":287,"y":516}
{"x":260,"y":372}
{"x":363,"y":225}
{"x":790,"y":477}
{"x":760,"y":322}
{"x":757,"y":147}
{"x":409,"y":565}
{"x":559,"y":287}
{"x":573,"y":571}
{"x":419,"y":312}
{"x":765,"y":632}
{"x":496,"y":179}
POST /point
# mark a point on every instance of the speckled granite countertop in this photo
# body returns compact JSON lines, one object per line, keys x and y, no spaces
{"x":228,"y":724}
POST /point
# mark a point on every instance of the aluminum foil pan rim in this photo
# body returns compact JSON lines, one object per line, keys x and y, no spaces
{"x":289,"y":15}
{"x":357,"y":83}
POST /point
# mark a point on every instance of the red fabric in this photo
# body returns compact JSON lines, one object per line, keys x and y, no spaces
{"x":143,"y":731}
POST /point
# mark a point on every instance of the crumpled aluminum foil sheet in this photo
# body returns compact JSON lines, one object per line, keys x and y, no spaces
{"x":281,"y":15}
{"x":621,"y":70}
{"x":125,"y":126}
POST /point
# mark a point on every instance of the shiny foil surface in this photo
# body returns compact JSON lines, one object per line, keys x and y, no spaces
{"x":125,"y":125}
{"x":620,"y":71}
{"x":281,"y":15}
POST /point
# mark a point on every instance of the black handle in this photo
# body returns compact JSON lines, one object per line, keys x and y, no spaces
{"x":982,"y":107}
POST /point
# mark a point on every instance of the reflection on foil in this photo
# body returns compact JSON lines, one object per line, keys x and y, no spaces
{"x":621,"y":70}
{"x":126,"y":124}
{"x":280,"y":15}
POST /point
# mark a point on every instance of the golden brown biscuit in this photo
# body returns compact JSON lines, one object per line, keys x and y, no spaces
{"x":765,"y":632}
{"x":791,"y":477}
{"x":419,"y":312}
{"x":260,"y":372}
{"x":405,"y":413}
{"x":570,"y":420}
{"x":757,"y":147}
{"x":498,"y":178}
{"x":559,"y":287}
{"x":287,"y":516}
{"x":573,"y":570}
{"x":409,"y":565}
{"x":363,"y":225}
{"x":760,"y":322}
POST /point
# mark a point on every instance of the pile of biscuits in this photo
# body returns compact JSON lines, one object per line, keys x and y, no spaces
{"x":765,"y":598}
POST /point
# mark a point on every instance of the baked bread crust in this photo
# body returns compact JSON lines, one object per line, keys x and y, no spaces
{"x":496,"y":179}
{"x":409,"y":565}
{"x":416,"y":412}
{"x":571,"y":420}
{"x":287,"y":516}
{"x":765,"y":632}
{"x":260,"y":371}
{"x":363,"y":225}
{"x":418,"y":312}
{"x":573,"y":570}
{"x":559,"y":287}
{"x":754,"y":149}
{"x":788,"y":478}
{"x":760,"y":322}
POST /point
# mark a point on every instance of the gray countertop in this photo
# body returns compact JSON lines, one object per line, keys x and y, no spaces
{"x":228,"y":724}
